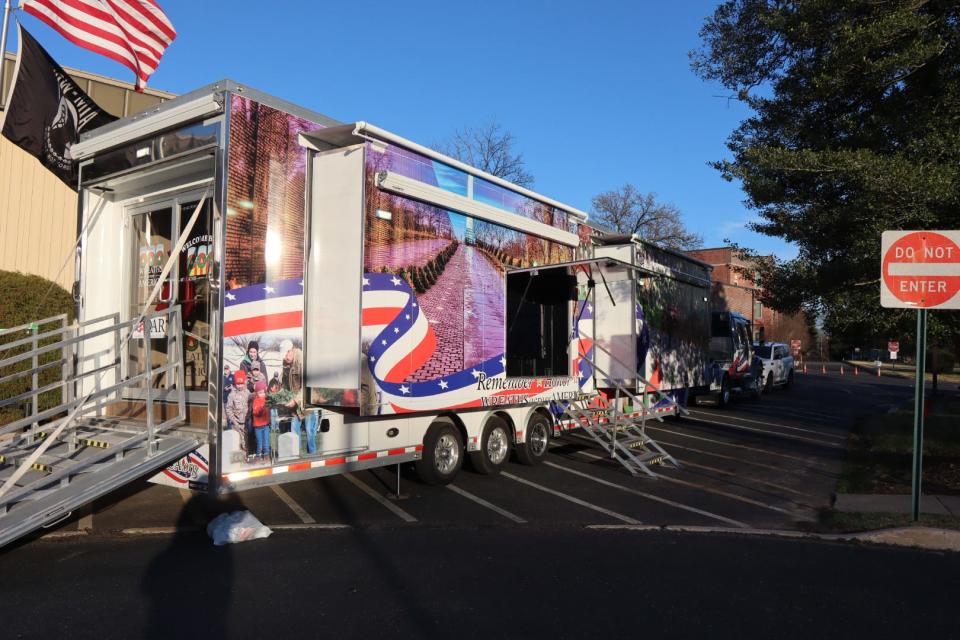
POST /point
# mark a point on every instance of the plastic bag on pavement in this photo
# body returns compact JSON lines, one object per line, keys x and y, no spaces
{"x":237,"y":526}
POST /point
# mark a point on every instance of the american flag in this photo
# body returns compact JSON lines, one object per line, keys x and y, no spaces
{"x":263,"y":307}
{"x":135,"y":33}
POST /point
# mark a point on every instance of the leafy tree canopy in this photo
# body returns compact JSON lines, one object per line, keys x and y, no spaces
{"x":855,"y":130}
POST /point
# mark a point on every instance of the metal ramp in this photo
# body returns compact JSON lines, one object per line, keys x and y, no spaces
{"x":66,"y":451}
{"x":620,"y":426}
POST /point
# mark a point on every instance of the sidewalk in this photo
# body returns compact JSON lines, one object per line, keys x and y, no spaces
{"x":874,"y":503}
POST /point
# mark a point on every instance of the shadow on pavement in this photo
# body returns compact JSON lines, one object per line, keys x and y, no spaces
{"x":189,"y":585}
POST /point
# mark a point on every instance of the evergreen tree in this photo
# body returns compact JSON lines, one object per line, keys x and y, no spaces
{"x":855,"y":130}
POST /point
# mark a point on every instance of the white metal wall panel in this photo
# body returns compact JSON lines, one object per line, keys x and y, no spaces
{"x":334,"y":270}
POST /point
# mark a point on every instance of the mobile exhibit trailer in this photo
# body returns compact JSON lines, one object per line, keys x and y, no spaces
{"x":266,"y":295}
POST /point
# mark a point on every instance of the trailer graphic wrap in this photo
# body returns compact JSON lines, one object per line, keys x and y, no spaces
{"x":671,"y":333}
{"x":263,"y":304}
{"x":434,"y":292}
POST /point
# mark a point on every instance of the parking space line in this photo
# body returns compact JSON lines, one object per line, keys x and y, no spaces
{"x":673,"y":445}
{"x":738,"y":446}
{"x":780,"y":434}
{"x":702,"y":487}
{"x":724,"y":472}
{"x":569,"y":498}
{"x":769,"y":424}
{"x":305,"y":517}
{"x":650,"y":496}
{"x":483,"y":503}
{"x":363,"y":486}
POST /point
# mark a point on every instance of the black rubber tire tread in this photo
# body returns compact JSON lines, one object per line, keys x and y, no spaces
{"x":525,"y":455}
{"x":723,"y":396}
{"x":426,"y":470}
{"x":479,"y":460}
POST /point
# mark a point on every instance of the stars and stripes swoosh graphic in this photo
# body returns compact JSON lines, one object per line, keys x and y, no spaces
{"x":266,"y":306}
{"x":583,"y":339}
{"x":401,"y":341}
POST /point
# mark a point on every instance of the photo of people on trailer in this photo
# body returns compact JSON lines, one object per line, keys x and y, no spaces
{"x":264,"y":403}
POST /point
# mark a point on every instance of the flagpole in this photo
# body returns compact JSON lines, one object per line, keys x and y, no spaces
{"x":3,"y":53}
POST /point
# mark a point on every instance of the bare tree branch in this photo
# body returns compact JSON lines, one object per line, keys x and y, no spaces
{"x":627,"y":210}
{"x":491,"y":148}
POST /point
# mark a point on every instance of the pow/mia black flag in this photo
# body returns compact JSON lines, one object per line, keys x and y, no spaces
{"x":47,"y":111}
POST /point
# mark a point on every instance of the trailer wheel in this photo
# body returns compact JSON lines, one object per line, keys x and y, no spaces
{"x":442,"y":454}
{"x":534,"y":450}
{"x":494,"y":448}
{"x":756,"y":388}
{"x":723,"y":396}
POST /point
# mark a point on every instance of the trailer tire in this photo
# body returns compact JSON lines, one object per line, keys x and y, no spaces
{"x":442,"y":455}
{"x":494,"y":450}
{"x":756,"y":390}
{"x":723,"y":396}
{"x":534,"y":450}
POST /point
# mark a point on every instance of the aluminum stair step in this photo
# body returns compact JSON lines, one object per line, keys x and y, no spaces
{"x":56,"y":504}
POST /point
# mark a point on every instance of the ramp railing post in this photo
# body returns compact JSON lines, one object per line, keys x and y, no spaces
{"x":180,"y":370}
{"x":148,"y":343}
{"x":35,"y":377}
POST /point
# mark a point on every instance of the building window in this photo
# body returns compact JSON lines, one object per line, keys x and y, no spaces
{"x":757,"y":311}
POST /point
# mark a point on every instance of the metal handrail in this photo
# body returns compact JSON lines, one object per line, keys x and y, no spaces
{"x":620,"y":387}
{"x":52,"y":332}
{"x":81,"y":337}
{"x":60,"y":317}
{"x":105,"y":391}
{"x":643,"y":380}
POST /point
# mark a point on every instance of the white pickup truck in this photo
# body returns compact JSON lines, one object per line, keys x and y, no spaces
{"x":777,"y":364}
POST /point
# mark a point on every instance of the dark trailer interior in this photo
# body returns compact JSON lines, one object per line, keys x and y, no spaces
{"x":538,"y":321}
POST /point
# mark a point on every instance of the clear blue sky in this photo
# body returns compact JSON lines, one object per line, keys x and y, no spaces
{"x":597,"y":94}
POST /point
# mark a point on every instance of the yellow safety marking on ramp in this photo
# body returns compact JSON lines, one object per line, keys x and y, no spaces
{"x":97,"y":444}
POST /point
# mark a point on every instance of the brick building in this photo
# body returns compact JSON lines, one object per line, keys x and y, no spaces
{"x":735,"y":289}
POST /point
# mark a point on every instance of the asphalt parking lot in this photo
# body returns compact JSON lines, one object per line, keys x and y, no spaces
{"x":771,"y":463}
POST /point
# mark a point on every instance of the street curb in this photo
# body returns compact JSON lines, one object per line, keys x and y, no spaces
{"x":928,"y":538}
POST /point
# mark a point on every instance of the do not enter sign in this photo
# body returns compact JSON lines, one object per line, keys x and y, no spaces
{"x":921,"y":269}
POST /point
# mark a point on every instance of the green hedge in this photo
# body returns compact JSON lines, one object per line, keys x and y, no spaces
{"x":26,"y":298}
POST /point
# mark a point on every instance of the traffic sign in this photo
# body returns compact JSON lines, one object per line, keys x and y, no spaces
{"x":795,"y":346}
{"x":921,"y":269}
{"x":893,"y":346}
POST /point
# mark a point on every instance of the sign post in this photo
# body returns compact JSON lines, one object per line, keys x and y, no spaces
{"x":921,"y":270}
{"x":918,"y":412}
